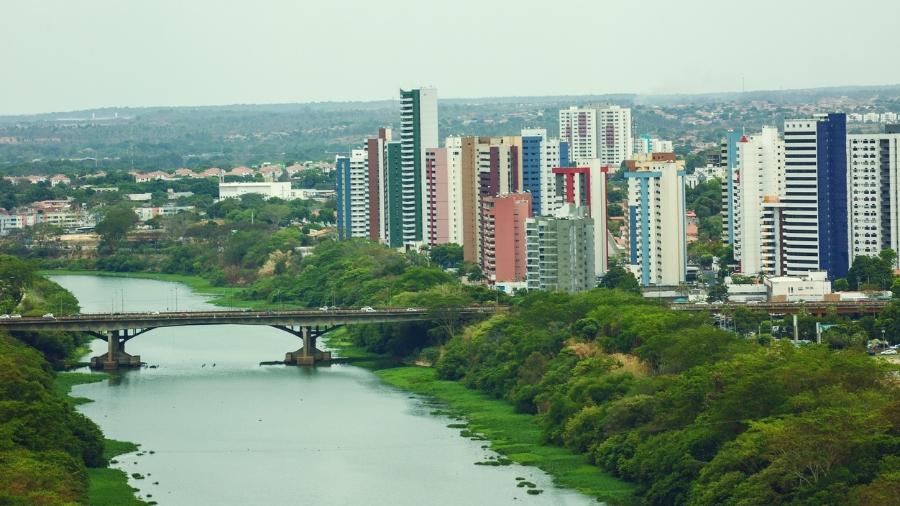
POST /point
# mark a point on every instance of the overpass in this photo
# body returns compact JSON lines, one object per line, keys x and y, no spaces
{"x":119,"y":328}
{"x":817,"y":308}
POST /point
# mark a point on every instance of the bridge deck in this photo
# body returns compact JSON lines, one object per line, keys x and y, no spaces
{"x":817,"y":307}
{"x":118,"y":321}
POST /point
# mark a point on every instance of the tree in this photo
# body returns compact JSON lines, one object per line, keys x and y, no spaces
{"x":15,"y":276}
{"x":114,"y":226}
{"x":872,"y":273}
{"x":447,"y":255}
{"x":841,"y":285}
{"x":618,"y":277}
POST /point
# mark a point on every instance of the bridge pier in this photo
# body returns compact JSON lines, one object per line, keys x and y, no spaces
{"x":115,"y":357}
{"x":308,"y":354}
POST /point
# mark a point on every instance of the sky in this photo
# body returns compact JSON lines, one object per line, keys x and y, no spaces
{"x":62,"y":55}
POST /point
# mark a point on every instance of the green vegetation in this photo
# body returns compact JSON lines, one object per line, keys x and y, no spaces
{"x":872,"y":273}
{"x":49,"y":453}
{"x":109,"y":487}
{"x":45,"y":445}
{"x":689,"y":413}
{"x":514,"y":435}
{"x":106,"y":486}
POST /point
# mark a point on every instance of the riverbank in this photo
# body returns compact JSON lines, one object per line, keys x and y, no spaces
{"x":107,"y":486}
{"x":513,"y":435}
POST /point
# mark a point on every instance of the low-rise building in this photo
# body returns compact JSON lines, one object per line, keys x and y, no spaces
{"x":267,"y":190}
{"x":746,"y":292}
{"x":814,"y":286}
{"x":148,"y":213}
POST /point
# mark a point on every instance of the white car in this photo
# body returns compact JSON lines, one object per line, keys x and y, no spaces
{"x":367,"y":309}
{"x":4,"y":317}
{"x":413,"y":309}
{"x":48,"y":315}
{"x":324,"y":308}
{"x":889,"y":352}
{"x":16,"y":316}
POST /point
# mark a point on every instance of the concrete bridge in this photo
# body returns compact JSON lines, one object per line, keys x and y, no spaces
{"x":818,"y":308}
{"x":119,"y":328}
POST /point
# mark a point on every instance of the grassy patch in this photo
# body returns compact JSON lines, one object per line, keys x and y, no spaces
{"x":109,"y":487}
{"x":65,"y":381}
{"x":515,"y":435}
{"x":341,"y":341}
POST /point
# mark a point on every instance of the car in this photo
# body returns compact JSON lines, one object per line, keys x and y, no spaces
{"x":367,"y":309}
{"x":413,"y":309}
{"x":15,"y":316}
{"x":324,"y":308}
{"x":889,"y":352}
{"x":4,"y":317}
{"x":155,"y":312}
{"x":48,"y":315}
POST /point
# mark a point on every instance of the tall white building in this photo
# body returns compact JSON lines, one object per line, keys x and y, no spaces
{"x":614,"y":135}
{"x":873,"y":169}
{"x":353,"y":190}
{"x":578,"y":127}
{"x":759,"y":175}
{"x":656,"y":219}
{"x":603,"y":133}
{"x":418,"y":132}
{"x":453,"y":146}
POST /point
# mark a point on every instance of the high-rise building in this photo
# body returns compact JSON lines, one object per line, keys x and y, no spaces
{"x":503,"y":236}
{"x":603,"y":133}
{"x":656,"y":219}
{"x":453,"y":146}
{"x":560,"y":251}
{"x":815,"y":223}
{"x":479,"y":167}
{"x":376,"y":154}
{"x":728,"y":158}
{"x":759,"y":174}
{"x":874,"y":172}
{"x":352,"y":194}
{"x":578,"y":127}
{"x":418,"y":132}
{"x":437,"y":196}
{"x":586,"y":187}
{"x":540,"y":155}
{"x":772,"y":254}
{"x":614,"y":135}
{"x":396,"y":195}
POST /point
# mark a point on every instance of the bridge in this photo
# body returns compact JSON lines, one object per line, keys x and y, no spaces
{"x":817,"y":308}
{"x":119,"y":328}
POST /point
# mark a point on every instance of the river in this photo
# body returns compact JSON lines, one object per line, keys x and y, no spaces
{"x":225,"y":431}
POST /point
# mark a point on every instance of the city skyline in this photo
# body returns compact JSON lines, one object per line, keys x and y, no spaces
{"x":98,"y":53}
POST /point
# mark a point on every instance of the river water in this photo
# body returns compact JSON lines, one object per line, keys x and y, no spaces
{"x":225,"y":431}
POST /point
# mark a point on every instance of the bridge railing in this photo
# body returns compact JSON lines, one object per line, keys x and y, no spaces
{"x":175,"y":315}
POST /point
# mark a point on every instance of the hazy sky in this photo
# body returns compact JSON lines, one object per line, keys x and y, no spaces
{"x":73,"y":54}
